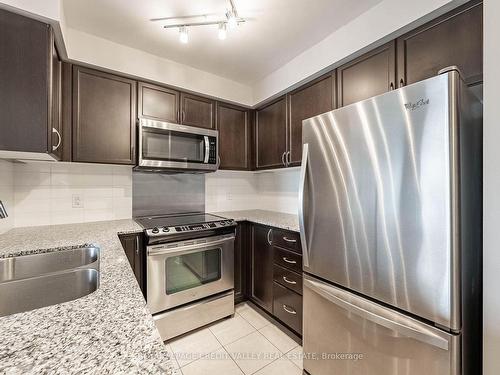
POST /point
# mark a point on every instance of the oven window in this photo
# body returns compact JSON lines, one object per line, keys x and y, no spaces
{"x":192,"y":270}
{"x":173,"y":146}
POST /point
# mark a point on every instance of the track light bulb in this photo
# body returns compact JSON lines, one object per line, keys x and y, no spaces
{"x":231,"y":20}
{"x":183,"y":35}
{"x":222,"y":31}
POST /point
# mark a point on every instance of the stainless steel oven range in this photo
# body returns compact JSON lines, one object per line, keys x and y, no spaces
{"x":190,"y":262}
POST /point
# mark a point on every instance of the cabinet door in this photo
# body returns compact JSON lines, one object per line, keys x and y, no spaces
{"x":103,"y":117}
{"x":240,"y":260}
{"x":454,"y":39}
{"x":369,"y":75}
{"x":55,"y":136}
{"x":132,"y":245}
{"x":308,"y":101}
{"x":271,"y":135}
{"x":197,"y":111}
{"x":25,"y":84}
{"x":262,"y":267}
{"x":158,"y":103}
{"x":233,"y":124}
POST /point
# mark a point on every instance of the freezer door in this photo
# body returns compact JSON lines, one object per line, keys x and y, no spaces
{"x":348,"y":335}
{"x":376,"y":199}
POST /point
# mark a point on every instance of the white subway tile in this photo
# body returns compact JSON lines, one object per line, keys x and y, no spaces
{"x":31,"y":178}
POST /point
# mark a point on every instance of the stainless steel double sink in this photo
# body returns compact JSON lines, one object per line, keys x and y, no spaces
{"x":28,"y":282}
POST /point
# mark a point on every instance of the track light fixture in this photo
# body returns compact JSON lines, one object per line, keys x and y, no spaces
{"x":230,"y":18}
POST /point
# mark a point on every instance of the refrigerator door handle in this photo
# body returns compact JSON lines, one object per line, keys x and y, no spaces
{"x":303,"y":171}
{"x":417,"y":333}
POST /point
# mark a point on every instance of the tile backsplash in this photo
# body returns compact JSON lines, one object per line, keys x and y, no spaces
{"x":7,"y":194}
{"x":61,"y":193}
{"x":275,"y":190}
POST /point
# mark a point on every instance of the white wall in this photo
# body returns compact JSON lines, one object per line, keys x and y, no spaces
{"x":7,"y":194}
{"x":97,"y":51}
{"x":43,"y":193}
{"x":381,"y":23}
{"x":231,"y":191}
{"x":491,"y":188}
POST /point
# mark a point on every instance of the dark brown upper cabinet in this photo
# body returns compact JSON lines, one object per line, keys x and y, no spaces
{"x":261,"y":288}
{"x":371,"y":74}
{"x":453,"y":39}
{"x":271,"y":135}
{"x":312,"y":99}
{"x":30,"y":87}
{"x":197,"y":111}
{"x":158,"y":103}
{"x":104,"y":117}
{"x":234,"y":126}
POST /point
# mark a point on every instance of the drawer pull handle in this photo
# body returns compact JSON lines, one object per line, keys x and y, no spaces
{"x":289,"y":260}
{"x":289,"y":239}
{"x":289,"y":310}
{"x":289,"y":281}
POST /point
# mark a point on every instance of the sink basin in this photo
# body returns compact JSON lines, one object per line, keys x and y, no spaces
{"x":29,"y":282}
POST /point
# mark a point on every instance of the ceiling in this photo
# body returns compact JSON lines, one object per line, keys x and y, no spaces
{"x":276,"y":32}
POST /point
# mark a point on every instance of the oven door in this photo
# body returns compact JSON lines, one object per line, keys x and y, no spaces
{"x":182,"y":272}
{"x":174,"y":146}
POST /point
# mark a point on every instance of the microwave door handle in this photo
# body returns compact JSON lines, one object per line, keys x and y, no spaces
{"x":207,"y":149}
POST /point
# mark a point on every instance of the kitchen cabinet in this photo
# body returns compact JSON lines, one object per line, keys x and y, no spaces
{"x":287,"y":307}
{"x":312,"y":99}
{"x":30,"y":94}
{"x":197,"y":111}
{"x":133,"y":246}
{"x":262,"y":267}
{"x":453,"y":39}
{"x":104,"y":117}
{"x":234,"y":126}
{"x":158,"y":103}
{"x":241,"y":259}
{"x":371,"y":74}
{"x":271,"y":135}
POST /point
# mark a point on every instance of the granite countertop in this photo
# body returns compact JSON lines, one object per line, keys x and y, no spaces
{"x":108,"y":331}
{"x":271,"y":218}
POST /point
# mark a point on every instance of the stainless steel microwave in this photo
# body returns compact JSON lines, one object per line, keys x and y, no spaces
{"x":168,"y":146}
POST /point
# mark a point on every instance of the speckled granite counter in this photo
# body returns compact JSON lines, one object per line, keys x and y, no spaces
{"x":271,"y":218}
{"x":109,"y":331}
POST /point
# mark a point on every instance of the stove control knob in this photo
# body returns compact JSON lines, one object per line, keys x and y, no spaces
{"x":165,"y":229}
{"x":155,"y":230}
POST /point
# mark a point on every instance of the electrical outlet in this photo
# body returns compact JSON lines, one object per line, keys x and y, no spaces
{"x":229,"y":196}
{"x":77,"y":201}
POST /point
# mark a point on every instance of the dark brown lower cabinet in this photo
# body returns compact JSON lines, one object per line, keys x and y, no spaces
{"x":240,"y":262}
{"x":133,"y":247}
{"x":261,"y":291}
{"x":287,"y":307}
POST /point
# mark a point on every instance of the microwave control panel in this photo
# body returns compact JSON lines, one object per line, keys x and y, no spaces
{"x":212,"y":150}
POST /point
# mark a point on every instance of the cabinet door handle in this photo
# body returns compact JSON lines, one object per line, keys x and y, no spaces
{"x":269,"y":232}
{"x":283,"y":158}
{"x":183,"y":113}
{"x":391,"y":86}
{"x":59,"y":139}
{"x":289,"y":260}
{"x":285,"y":279}
{"x":137,"y":245}
{"x":289,"y":310}
{"x":401,"y":82}
{"x":289,"y":239}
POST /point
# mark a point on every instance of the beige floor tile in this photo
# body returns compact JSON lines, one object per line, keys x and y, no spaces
{"x":254,"y":318}
{"x":215,"y":363}
{"x":252,"y":352}
{"x":279,"y":339}
{"x":296,"y":356}
{"x":172,"y":355}
{"x":241,"y":307}
{"x":231,"y":329}
{"x":194,"y":346}
{"x":281,"y":366}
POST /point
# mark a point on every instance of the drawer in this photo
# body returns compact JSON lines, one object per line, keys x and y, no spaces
{"x":287,"y":307}
{"x":288,"y":240}
{"x":287,"y":278}
{"x":288,"y":259}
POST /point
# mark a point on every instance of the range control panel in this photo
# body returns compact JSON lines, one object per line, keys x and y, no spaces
{"x":190,"y":228}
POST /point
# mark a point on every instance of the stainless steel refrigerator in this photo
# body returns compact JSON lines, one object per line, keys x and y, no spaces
{"x":390,"y":222}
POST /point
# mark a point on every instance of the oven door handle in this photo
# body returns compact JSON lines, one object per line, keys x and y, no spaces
{"x":163,"y":249}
